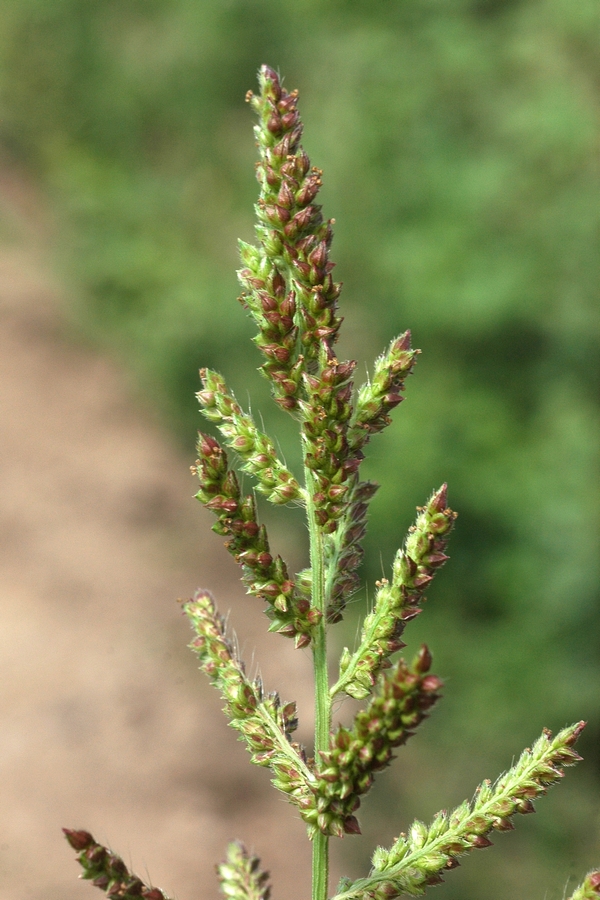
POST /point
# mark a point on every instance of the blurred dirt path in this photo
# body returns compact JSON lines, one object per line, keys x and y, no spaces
{"x":106,"y":722}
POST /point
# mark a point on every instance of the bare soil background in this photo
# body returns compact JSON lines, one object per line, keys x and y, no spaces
{"x":106,"y":722}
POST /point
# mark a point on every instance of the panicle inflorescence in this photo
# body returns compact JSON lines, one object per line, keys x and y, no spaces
{"x":397,"y":601}
{"x":419,"y":858}
{"x":289,"y":291}
{"x":107,"y":871}
{"x":401,"y":701}
{"x":240,"y":876}
{"x":265,"y":576}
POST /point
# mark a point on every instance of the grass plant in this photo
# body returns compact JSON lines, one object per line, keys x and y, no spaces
{"x":289,"y":290}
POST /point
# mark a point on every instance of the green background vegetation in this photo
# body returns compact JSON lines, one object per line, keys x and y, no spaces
{"x":457,"y":139}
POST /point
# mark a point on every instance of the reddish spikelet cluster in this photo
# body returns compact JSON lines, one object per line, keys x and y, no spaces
{"x":107,"y":871}
{"x":287,"y":280}
{"x":274,"y":308}
{"x":379,"y":396}
{"x":589,"y":889}
{"x":326,"y":414}
{"x":401,"y":702}
{"x":265,"y":576}
{"x":345,"y":552}
{"x":336,"y":448}
{"x":254,"y":448}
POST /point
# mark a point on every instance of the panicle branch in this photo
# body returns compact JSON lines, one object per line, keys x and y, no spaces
{"x":241,"y":877}
{"x":397,"y":602}
{"x":251,"y":445}
{"x":401,"y":702}
{"x":420,"y":858}
{"x":107,"y":871}
{"x":263,"y":722}
{"x":379,"y":396}
{"x":335,"y":451}
{"x":264,"y":575}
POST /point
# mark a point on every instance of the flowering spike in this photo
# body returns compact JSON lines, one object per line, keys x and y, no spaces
{"x":108,"y":871}
{"x":397,"y":601}
{"x":265,"y":576}
{"x":328,"y":457}
{"x":241,"y":877}
{"x":419,"y":858}
{"x":251,"y":445}
{"x":288,"y":288}
{"x":264,"y":724}
{"x":401,"y":701}
{"x":377,"y":398}
{"x":343,"y":551}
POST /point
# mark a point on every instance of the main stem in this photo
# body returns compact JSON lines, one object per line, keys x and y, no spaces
{"x":320,"y":861}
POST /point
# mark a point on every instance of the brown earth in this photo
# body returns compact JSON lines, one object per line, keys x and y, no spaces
{"x":107,"y":724}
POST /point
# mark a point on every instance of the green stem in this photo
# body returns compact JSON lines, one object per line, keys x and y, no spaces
{"x":320,"y":869}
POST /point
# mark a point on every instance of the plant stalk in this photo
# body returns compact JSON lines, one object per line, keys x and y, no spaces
{"x":320,"y":861}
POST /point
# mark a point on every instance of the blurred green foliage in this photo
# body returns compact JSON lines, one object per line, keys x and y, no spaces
{"x":457,"y":140}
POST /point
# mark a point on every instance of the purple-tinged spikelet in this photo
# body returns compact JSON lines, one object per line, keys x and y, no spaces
{"x":107,"y":871}
{"x":401,"y":701}
{"x":264,"y":575}
{"x":589,"y":889}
